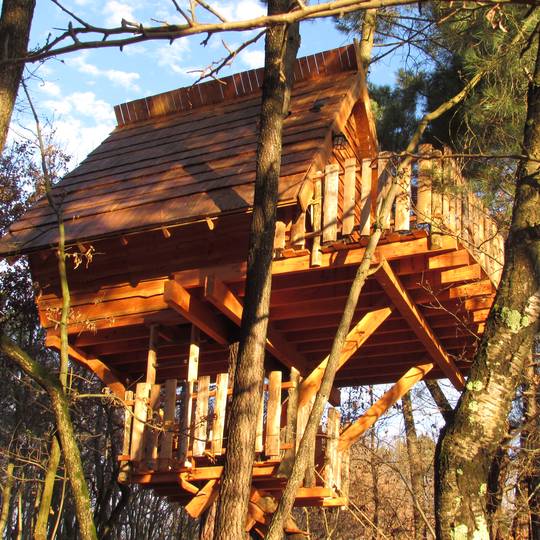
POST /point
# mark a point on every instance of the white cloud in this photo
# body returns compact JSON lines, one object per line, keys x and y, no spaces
{"x":172,"y":56}
{"x":125,"y":79}
{"x":252,"y":58}
{"x":245,"y":9}
{"x":115,"y":11}
{"x":50,"y":88}
{"x":83,"y":103}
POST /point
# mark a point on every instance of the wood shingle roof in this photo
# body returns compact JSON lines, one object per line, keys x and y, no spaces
{"x":189,"y":154}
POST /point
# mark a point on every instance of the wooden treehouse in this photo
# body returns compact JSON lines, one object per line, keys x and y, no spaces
{"x":162,"y":209}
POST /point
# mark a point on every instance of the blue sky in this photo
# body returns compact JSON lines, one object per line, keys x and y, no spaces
{"x":77,"y":92}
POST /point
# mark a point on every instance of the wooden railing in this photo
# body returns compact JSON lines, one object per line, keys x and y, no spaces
{"x":180,"y":425}
{"x":432,"y":195}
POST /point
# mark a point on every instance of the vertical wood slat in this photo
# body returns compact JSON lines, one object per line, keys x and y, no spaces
{"x":403,"y":201}
{"x":423,"y":199}
{"x":287,"y":461}
{"x":383,"y":186}
{"x":332,"y":476}
{"x":349,"y":197}
{"x":201,"y":416}
{"x":128,"y":422}
{"x":298,"y":230}
{"x":279,"y":237}
{"x":186,"y":426}
{"x":169,"y":410}
{"x":259,"y":446}
{"x":273,"y":414}
{"x":142,"y":392}
{"x":365,"y":198}
{"x":316,"y":210}
{"x":330,"y":203}
{"x":152,"y":433}
{"x":219,"y":413}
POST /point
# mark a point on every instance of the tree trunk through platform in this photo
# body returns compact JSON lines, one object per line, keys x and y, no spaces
{"x":280,"y":53}
{"x":469,"y":443}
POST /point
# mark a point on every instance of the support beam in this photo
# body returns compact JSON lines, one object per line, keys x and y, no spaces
{"x":397,"y":293}
{"x":99,"y":368}
{"x":236,"y":272}
{"x":353,"y":432}
{"x":355,"y":339}
{"x":216,"y":292}
{"x":204,"y":498}
{"x":151,"y":361}
{"x":195,"y":311}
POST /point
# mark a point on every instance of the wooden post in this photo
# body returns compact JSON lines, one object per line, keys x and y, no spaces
{"x":151,"y":363}
{"x":423,"y":200}
{"x":273,"y":414}
{"x":436,"y":206}
{"x":285,"y":467}
{"x":185,"y":436}
{"x":298,"y":229}
{"x":332,"y":472}
{"x":125,"y":466}
{"x":330,"y":203}
{"x":169,"y":410}
{"x":349,"y":197}
{"x":260,"y":427}
{"x":365,"y":198}
{"x":220,"y":405}
{"x":316,"y":256}
{"x":152,"y":431}
{"x":140,"y":412}
{"x":403,"y":202}
{"x":383,"y":186}
{"x":279,"y":238}
{"x":201,"y":416}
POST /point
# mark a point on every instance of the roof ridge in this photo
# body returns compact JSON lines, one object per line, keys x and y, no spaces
{"x":240,"y":84}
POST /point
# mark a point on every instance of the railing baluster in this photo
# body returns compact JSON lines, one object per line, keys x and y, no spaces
{"x":273,"y":415}
{"x":169,"y":410}
{"x":220,"y":404}
{"x":201,"y":416}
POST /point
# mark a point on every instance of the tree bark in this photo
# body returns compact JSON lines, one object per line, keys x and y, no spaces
{"x":369,"y":24}
{"x":281,"y":46}
{"x":15,"y":23}
{"x":70,"y":450}
{"x":6,"y":497}
{"x":415,"y":467}
{"x":440,"y":399}
{"x":40,"y":530}
{"x":468,"y":445}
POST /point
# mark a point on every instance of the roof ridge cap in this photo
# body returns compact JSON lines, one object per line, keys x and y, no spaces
{"x":228,"y":88}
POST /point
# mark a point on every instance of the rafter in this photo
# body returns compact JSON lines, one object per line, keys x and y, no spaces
{"x":397,"y":293}
{"x":195,"y":311}
{"x":216,"y":292}
{"x":353,"y":432}
{"x":355,"y":339}
{"x":99,"y":368}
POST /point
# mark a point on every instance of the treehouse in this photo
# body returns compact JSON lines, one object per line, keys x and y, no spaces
{"x":157,"y":221}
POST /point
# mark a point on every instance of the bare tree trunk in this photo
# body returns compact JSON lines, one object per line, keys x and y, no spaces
{"x":369,"y":24}
{"x":6,"y":497}
{"x":469,"y":443}
{"x":415,"y":467}
{"x":440,"y":399}
{"x":374,"y":471}
{"x":282,"y":44}
{"x":68,"y":441}
{"x":531,"y":441}
{"x":40,"y":530}
{"x":287,"y":500}
{"x":15,"y":23}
